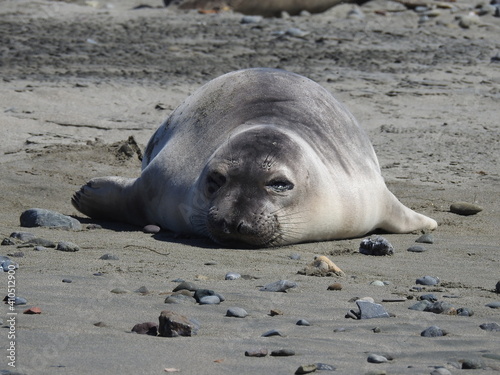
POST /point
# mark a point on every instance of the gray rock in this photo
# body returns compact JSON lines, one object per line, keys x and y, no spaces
{"x":416,"y":249}
{"x":279,"y":286}
{"x":256,"y":353}
{"x":325,"y":367}
{"x":209,"y":300}
{"x":67,"y":246}
{"x":465,"y":209}
{"x":375,"y":358}
{"x":236,"y":312}
{"x":377,"y":283}
{"x":440,"y":307}
{"x":179,"y":298}
{"x":40,"y":248}
{"x":425,"y":238}
{"x":199,"y":294}
{"x":493,"y":305}
{"x":41,"y":242}
{"x":20,"y":301}
{"x":464,"y":311}
{"x":420,"y":306}
{"x":492,"y":327}
{"x":22,"y":236}
{"x":377,"y":245}
{"x":441,"y":371}
{"x":7,"y":242}
{"x":148,"y":328}
{"x":186,"y":285}
{"x":428,"y":297}
{"x":120,"y":291}
{"x":151,"y":229}
{"x":6,"y":263}
{"x":251,"y":19}
{"x":427,"y":280}
{"x":369,"y":310}
{"x":432,"y":331}
{"x":232,"y":276}
{"x":142,"y":290}
{"x":38,"y":217}
{"x":295,"y":256}
{"x":303,"y":322}
{"x":173,"y":325}
{"x":272,"y":332}
{"x":109,"y":257}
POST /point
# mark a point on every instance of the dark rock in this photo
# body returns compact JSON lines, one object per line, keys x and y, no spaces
{"x":37,"y":217}
{"x":492,"y":327}
{"x":173,"y":325}
{"x":369,"y":310}
{"x":275,"y":312}
{"x":201,"y":296}
{"x":306,"y":369}
{"x":441,"y":308}
{"x":186,"y":285}
{"x":272,"y":332}
{"x":377,"y":245}
{"x":464,"y":311}
{"x":472,"y":364}
{"x":148,"y":328}
{"x":427,"y":280}
{"x":109,"y":257}
{"x":432,"y":331}
{"x":236,"y":312}
{"x":335,"y":286}
{"x":303,"y":322}
{"x":279,"y":286}
{"x":497,"y":287}
{"x":67,"y":246}
{"x":425,"y":238}
{"x":7,"y":242}
{"x":465,"y":209}
{"x":428,"y":297}
{"x":282,"y":353}
{"x":256,"y":353}
{"x":69,"y":281}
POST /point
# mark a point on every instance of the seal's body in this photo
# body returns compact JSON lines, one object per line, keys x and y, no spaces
{"x":260,"y":157}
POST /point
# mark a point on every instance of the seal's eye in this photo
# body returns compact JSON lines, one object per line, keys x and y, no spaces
{"x":215,"y":180}
{"x":280,"y":185}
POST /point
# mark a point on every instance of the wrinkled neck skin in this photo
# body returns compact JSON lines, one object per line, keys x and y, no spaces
{"x":255,"y":189}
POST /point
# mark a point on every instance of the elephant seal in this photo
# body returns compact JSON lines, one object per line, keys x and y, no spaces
{"x":259,"y":157}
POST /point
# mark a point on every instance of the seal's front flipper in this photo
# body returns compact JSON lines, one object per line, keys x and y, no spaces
{"x":110,"y":198}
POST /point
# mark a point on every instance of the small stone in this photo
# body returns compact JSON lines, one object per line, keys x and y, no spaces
{"x":173,"y":325}
{"x":22,"y":236}
{"x":376,"y":330}
{"x":282,"y":353}
{"x":432,"y":331}
{"x":497,"y":287}
{"x":37,"y":217}
{"x":41,"y":242}
{"x":377,"y":283}
{"x":493,"y":305}
{"x":306,"y":369}
{"x":236,"y":312}
{"x":303,"y":322}
{"x":466,"y":22}
{"x":279,"y":286}
{"x":464,"y":311}
{"x":69,"y":281}
{"x":492,"y":327}
{"x":428,"y":297}
{"x":199,"y":294}
{"x":232,"y":276}
{"x":7,"y":264}
{"x":425,"y":238}
{"x":179,"y":298}
{"x":295,"y":256}
{"x":256,"y":353}
{"x":441,"y":308}
{"x":369,"y":310}
{"x":151,"y":228}
{"x":7,"y":242}
{"x":251,"y":19}
{"x":465,"y":209}
{"x":142,"y":290}
{"x":101,"y":324}
{"x":209,"y":300}
{"x":325,"y":367}
{"x":441,"y":371}
{"x":148,"y":328}
{"x":109,"y":257}
{"x":120,"y":291}
{"x":296,"y":32}
{"x":33,"y":310}
{"x":17,"y":300}
{"x":472,"y":364}
{"x":17,"y":254}
{"x":98,"y":274}
{"x":67,"y":246}
{"x":335,"y":286}
{"x":275,"y":312}
{"x":272,"y":332}
{"x":186,"y":285}
{"x":376,"y":245}
{"x":420,"y":306}
{"x":375,"y":358}
{"x":427,"y":280}
{"x":40,"y":248}
{"x":416,"y":249}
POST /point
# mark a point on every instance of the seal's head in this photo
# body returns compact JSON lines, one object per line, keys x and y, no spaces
{"x":253,"y":187}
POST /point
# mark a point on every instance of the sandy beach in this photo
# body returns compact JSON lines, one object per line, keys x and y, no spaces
{"x":79,"y":78}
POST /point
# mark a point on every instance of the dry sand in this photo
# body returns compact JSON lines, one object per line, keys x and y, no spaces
{"x":77,"y":79}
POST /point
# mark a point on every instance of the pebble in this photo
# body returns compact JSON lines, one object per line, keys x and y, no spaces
{"x":209,"y":300}
{"x":17,"y":254}
{"x":69,"y":281}
{"x":428,"y":297}
{"x":98,"y":274}
{"x":497,"y":287}
{"x":41,"y":242}
{"x":256,"y":353}
{"x":151,"y":228}
{"x":425,"y":238}
{"x":33,"y":310}
{"x":272,"y":332}
{"x":493,"y":305}
{"x":295,"y":256}
{"x":179,"y":298}
{"x":464,"y":311}
{"x":420,"y":306}
{"x":278,"y":286}
{"x":325,"y":367}
{"x":377,"y":283}
{"x":148,"y":328}
{"x":37,"y":217}
{"x":186,"y":285}
{"x":375,"y":358}
{"x":416,"y":249}
{"x":6,"y":263}
{"x":19,"y":301}
{"x":208,"y":297}
{"x":251,"y":19}
{"x":303,"y":322}
{"x":232,"y":276}
{"x":335,"y":286}
{"x":109,"y":257}
{"x":7,"y":242}
{"x":275,"y":312}
{"x":296,"y":32}
{"x":441,"y":308}
{"x":22,"y":236}
{"x":282,"y":353}
{"x":492,"y":327}
{"x":142,"y":290}
{"x":464,"y":208}
{"x":369,"y":310}
{"x":306,"y":369}
{"x":432,"y":331}
{"x":236,"y":312}
{"x":441,"y":371}
{"x":120,"y":291}
{"x":427,"y":280}
{"x":466,"y":22}
{"x":376,"y":245}
{"x":472,"y":364}
{"x":67,"y":246}
{"x":173,"y":325}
